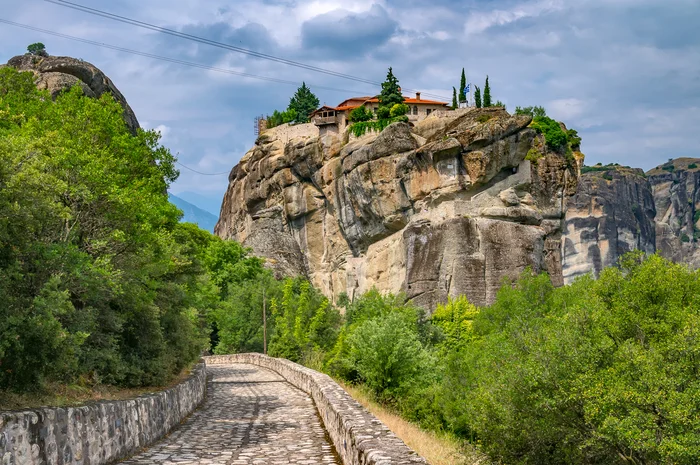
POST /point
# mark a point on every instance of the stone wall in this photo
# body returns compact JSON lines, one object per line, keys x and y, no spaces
{"x":358,"y":436}
{"x":286,"y":132}
{"x":98,"y":433}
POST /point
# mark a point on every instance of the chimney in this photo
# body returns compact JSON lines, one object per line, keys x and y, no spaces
{"x":417,"y":95}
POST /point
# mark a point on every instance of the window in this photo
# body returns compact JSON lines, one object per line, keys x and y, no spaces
{"x":415,"y":109}
{"x":427,"y":112}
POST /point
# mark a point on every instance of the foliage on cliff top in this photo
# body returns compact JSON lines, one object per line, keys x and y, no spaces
{"x":391,"y":91}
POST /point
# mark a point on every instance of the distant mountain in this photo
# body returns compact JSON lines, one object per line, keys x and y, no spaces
{"x":194,"y":214}
{"x":212,"y":204}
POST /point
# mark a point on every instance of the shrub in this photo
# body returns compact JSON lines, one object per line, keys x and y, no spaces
{"x":531,"y":111}
{"x":554,"y":135}
{"x":595,"y":372}
{"x":533,"y":155}
{"x":685,"y":238}
{"x":360,"y":114}
{"x":668,"y":168}
{"x":692,"y":166}
{"x":399,"y":109}
{"x":388,"y":354}
{"x":383,"y":113}
{"x":484,"y":118}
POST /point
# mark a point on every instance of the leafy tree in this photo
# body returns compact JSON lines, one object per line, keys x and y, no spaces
{"x":462,"y":87}
{"x":399,"y":109}
{"x":391,"y":91}
{"x":304,"y":102}
{"x":554,"y":135}
{"x":37,"y":49}
{"x":499,"y":104}
{"x":595,"y":372}
{"x":455,"y":320}
{"x":531,"y":111}
{"x":98,"y":278}
{"x":454,"y":98}
{"x":360,"y":114}
{"x":477,"y":96}
{"x":487,"y":94}
{"x":383,"y":113}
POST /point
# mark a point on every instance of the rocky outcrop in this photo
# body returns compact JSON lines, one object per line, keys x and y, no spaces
{"x":56,"y":74}
{"x":451,"y":206}
{"x":676,"y":190}
{"x":611,"y":213}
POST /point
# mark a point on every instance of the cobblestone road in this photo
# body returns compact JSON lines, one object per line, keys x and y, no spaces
{"x":251,"y":416}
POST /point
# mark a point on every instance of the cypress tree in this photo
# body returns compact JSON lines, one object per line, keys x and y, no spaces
{"x":391,"y":92}
{"x":304,"y":102}
{"x":477,"y":96}
{"x":462,"y":86}
{"x":487,"y":93}
{"x":454,"y":98}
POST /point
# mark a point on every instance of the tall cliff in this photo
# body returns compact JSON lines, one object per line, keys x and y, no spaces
{"x":611,"y":213}
{"x":450,"y":206}
{"x":676,"y":188}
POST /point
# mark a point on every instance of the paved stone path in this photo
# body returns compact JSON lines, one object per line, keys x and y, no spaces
{"x":251,"y":416}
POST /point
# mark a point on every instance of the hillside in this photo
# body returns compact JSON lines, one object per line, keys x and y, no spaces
{"x":194,"y":214}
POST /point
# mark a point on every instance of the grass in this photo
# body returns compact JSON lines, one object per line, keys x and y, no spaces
{"x":436,"y":448}
{"x":61,"y":395}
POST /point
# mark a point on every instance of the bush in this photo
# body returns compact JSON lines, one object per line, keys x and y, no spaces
{"x":383,"y":113}
{"x":388,"y":355}
{"x":685,"y":238}
{"x":554,"y":135}
{"x":399,"y":109}
{"x":668,"y":168}
{"x":531,"y":111}
{"x":595,"y":372}
{"x":692,"y":166}
{"x":360,"y":114}
{"x":484,"y":118}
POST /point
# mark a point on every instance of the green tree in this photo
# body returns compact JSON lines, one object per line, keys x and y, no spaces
{"x":360,"y":114}
{"x":454,"y":98}
{"x":531,"y":111}
{"x":391,"y":91}
{"x":303,"y":102}
{"x":462,"y":87}
{"x":487,"y":93}
{"x":399,"y":109}
{"x":477,"y":96}
{"x":37,"y":49}
{"x":98,"y":278}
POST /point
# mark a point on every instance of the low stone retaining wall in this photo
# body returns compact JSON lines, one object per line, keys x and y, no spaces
{"x":359,"y":437}
{"x":98,"y":433}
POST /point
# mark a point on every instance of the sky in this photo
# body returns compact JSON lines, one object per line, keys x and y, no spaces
{"x":624,"y":73}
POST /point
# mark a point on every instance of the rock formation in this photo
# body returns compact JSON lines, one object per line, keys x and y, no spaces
{"x":59,"y":73}
{"x":451,"y":206}
{"x":611,"y":213}
{"x":676,"y":188}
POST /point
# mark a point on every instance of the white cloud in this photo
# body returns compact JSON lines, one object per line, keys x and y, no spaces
{"x":565,"y":109}
{"x":481,"y":21}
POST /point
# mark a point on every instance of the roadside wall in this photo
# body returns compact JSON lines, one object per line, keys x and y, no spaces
{"x":98,"y":433}
{"x":359,"y":437}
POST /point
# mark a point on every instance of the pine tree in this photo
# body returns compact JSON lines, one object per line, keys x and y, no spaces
{"x":391,"y":92}
{"x":477,"y":96}
{"x":304,"y":102}
{"x":487,"y":94}
{"x":454,"y":98}
{"x":462,"y":86}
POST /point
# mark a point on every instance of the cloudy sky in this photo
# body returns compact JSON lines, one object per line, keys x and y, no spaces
{"x":625,"y":73}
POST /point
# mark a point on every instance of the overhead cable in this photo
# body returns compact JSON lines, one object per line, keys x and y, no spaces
{"x":202,"y":40}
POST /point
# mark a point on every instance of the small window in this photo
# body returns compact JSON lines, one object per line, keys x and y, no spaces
{"x":415,"y":109}
{"x":427,"y":112}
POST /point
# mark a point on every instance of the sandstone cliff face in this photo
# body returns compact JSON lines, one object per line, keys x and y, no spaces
{"x":676,"y":189}
{"x":611,"y":213}
{"x":450,"y":206}
{"x":59,"y":73}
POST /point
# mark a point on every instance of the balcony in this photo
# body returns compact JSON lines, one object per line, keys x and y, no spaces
{"x":324,"y":120}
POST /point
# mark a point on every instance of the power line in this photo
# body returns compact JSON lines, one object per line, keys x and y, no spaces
{"x":182,"y":35}
{"x":170,"y":60}
{"x":199,"y":172}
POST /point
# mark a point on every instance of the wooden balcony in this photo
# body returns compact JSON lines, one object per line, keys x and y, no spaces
{"x":324,"y":120}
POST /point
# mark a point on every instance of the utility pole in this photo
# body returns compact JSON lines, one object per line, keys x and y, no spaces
{"x":264,"y":322}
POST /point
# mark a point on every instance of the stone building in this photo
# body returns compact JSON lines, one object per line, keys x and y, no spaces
{"x":335,"y":119}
